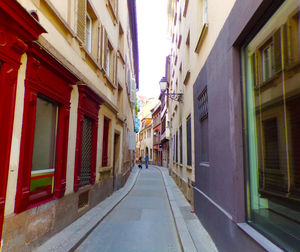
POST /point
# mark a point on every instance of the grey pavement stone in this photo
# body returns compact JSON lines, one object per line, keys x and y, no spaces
{"x":68,"y":238}
{"x":192,"y":234}
{"x":142,"y":221}
{"x":148,"y":214}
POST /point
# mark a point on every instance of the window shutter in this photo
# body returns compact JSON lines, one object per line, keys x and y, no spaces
{"x":277,"y":51}
{"x":115,"y":80}
{"x":104,"y":50}
{"x":284,"y":34}
{"x":100,"y":44}
{"x":132,"y":91}
{"x":81,"y":19}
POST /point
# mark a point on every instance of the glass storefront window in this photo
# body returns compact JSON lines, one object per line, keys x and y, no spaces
{"x":43,"y":159}
{"x":271,"y":66}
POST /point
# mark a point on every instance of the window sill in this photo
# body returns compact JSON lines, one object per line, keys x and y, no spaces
{"x":204,"y":164}
{"x":105,"y":169}
{"x":268,"y":81}
{"x":187,"y":77}
{"x":84,"y":188}
{"x":190,"y":168}
{"x":33,"y":205}
{"x":109,"y":81}
{"x":259,"y":238}
{"x":293,"y":65}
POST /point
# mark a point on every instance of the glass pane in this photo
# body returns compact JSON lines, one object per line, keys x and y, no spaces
{"x":88,"y":33}
{"x":44,"y":135}
{"x":272,"y":98}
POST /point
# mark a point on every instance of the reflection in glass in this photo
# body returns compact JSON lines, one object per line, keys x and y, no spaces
{"x":272,"y":96}
{"x":44,"y":146}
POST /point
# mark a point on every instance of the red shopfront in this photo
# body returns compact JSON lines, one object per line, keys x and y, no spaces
{"x":17,"y":30}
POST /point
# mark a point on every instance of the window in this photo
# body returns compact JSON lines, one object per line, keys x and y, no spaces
{"x":186,"y":64}
{"x":272,"y":121}
{"x":112,"y":6}
{"x":105,"y":142}
{"x":181,"y":143}
{"x":203,"y":107}
{"x":44,"y":146}
{"x":86,"y":145}
{"x":45,"y":130}
{"x":203,"y":24}
{"x":88,"y":33}
{"x":293,"y":39}
{"x":87,"y":27}
{"x":267,"y":61}
{"x":109,"y":60}
{"x":120,"y":99}
{"x":176,"y":149}
{"x":189,"y":141}
{"x":121,"y":41}
{"x":148,"y":133}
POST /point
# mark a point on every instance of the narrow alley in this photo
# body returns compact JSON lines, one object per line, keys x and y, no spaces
{"x":204,"y":92}
{"x":149,"y":213}
{"x":142,"y":221}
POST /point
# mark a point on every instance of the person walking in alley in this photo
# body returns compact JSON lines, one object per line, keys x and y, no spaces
{"x":140,"y":163}
{"x":146,"y":161}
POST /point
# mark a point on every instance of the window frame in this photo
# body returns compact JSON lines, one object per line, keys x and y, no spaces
{"x":106,"y":133}
{"x":88,"y":32}
{"x":189,"y":143}
{"x":88,"y":106}
{"x":44,"y":75}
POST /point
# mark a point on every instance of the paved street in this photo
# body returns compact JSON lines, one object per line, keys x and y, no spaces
{"x":142,"y":221}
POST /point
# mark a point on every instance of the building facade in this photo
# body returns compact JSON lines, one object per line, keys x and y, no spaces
{"x":71,"y":100}
{"x":243,"y":62}
{"x":156,"y":124}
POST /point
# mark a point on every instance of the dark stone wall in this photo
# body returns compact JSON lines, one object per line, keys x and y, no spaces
{"x":29,"y":229}
{"x":223,"y":182}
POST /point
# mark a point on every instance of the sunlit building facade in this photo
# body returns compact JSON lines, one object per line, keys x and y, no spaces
{"x":68,"y":114}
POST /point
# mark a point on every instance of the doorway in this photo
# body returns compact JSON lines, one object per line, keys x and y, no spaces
{"x":116,"y":162}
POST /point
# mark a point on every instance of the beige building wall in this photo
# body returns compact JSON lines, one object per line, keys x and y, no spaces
{"x":59,"y":18}
{"x":193,"y":30}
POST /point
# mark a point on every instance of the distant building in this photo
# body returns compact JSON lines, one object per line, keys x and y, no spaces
{"x":144,"y":137}
{"x":156,"y":125}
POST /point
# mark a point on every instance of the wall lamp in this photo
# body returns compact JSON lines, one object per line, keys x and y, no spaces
{"x":173,"y":96}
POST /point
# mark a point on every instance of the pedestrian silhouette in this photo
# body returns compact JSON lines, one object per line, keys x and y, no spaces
{"x":140,"y":163}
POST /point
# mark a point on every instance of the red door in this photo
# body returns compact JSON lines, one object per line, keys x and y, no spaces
{"x":17,"y":30}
